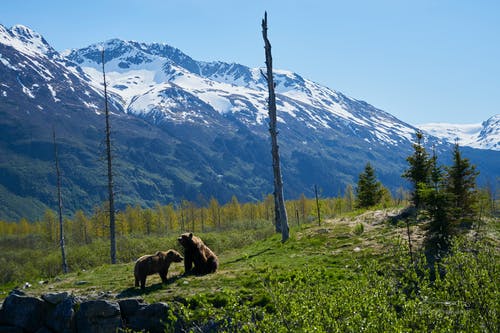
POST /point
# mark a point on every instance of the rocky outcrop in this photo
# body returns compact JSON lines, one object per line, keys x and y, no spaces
{"x":19,"y":311}
{"x":65,"y":313}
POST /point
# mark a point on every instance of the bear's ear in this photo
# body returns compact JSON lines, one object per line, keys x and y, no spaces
{"x":191,"y":235}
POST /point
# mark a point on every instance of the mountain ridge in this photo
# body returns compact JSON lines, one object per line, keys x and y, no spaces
{"x":485,"y":135}
{"x":232,"y":87}
{"x":182,"y":129}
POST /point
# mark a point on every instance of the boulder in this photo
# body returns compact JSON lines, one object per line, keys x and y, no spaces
{"x":55,"y":298}
{"x":62,"y":317}
{"x":152,"y":318}
{"x":129,"y":307}
{"x":10,"y":329}
{"x":98,"y":316}
{"x":22,"y":311}
{"x":43,"y":329}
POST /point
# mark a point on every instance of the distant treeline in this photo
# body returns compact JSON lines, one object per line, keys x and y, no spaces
{"x":166,"y":219}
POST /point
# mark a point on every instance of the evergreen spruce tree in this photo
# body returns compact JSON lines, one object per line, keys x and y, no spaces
{"x":437,"y":203}
{"x":461,"y":185}
{"x":418,"y":172}
{"x":369,"y":190}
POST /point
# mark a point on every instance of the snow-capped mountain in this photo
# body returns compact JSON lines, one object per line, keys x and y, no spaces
{"x":149,"y":77}
{"x":482,"y":136}
{"x":181,"y":129}
{"x":36,"y":76}
{"x":26,"y":40}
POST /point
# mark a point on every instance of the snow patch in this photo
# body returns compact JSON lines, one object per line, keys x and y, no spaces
{"x":53,"y":93}
{"x":27,"y":91}
{"x":218,"y":102}
{"x":7,"y":64}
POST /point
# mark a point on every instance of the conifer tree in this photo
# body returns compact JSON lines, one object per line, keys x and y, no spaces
{"x":369,"y":190}
{"x":461,"y":184}
{"x":437,"y":202}
{"x":419,"y":169}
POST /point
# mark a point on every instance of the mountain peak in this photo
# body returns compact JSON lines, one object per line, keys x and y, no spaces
{"x":25,"y":40}
{"x":24,"y":31}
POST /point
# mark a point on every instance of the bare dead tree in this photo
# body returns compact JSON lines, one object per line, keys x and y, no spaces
{"x":59,"y":199}
{"x":317,"y":204}
{"x":409,"y":240}
{"x":279,"y":201}
{"x":111,"y":197}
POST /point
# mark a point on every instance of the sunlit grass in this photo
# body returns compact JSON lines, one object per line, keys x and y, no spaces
{"x":325,"y":278}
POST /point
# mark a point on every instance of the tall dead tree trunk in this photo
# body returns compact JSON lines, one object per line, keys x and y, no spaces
{"x":317,"y":204}
{"x":111,"y":197}
{"x":409,"y":240}
{"x":279,"y":201}
{"x":59,"y":200}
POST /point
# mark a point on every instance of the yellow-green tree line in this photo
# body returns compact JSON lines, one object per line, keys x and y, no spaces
{"x":162,"y":220}
{"x":184,"y":216}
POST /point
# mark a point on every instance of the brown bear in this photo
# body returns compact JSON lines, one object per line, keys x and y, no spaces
{"x":154,"y":263}
{"x":197,"y":253}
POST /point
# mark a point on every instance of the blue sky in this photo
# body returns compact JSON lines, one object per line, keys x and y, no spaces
{"x":423,"y":61}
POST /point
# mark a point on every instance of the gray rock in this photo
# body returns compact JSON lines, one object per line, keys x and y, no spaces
{"x":152,"y":318}
{"x":44,"y":329}
{"x":17,"y":292}
{"x":79,"y":283}
{"x":129,"y":307}
{"x":55,"y":298}
{"x":23,"y":311}
{"x":10,"y":329}
{"x":98,"y":316}
{"x":62,"y":318}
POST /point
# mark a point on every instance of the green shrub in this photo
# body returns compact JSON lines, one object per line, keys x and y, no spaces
{"x":396,"y":296}
{"x":359,"y":228}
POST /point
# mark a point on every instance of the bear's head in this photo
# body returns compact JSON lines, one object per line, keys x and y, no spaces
{"x":186,"y":239}
{"x":174,"y":256}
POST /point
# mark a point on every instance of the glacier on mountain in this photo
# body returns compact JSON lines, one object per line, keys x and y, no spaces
{"x":482,"y":136}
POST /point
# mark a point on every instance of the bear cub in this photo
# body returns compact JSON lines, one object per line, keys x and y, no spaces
{"x":154,"y":263}
{"x":196,"y":252}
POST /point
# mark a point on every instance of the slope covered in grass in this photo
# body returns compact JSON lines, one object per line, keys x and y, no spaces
{"x":348,"y":274}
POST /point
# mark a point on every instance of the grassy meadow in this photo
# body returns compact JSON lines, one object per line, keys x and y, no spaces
{"x":352,"y":273}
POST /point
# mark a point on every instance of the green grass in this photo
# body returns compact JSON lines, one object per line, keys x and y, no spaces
{"x":325,"y":278}
{"x":243,"y":256}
